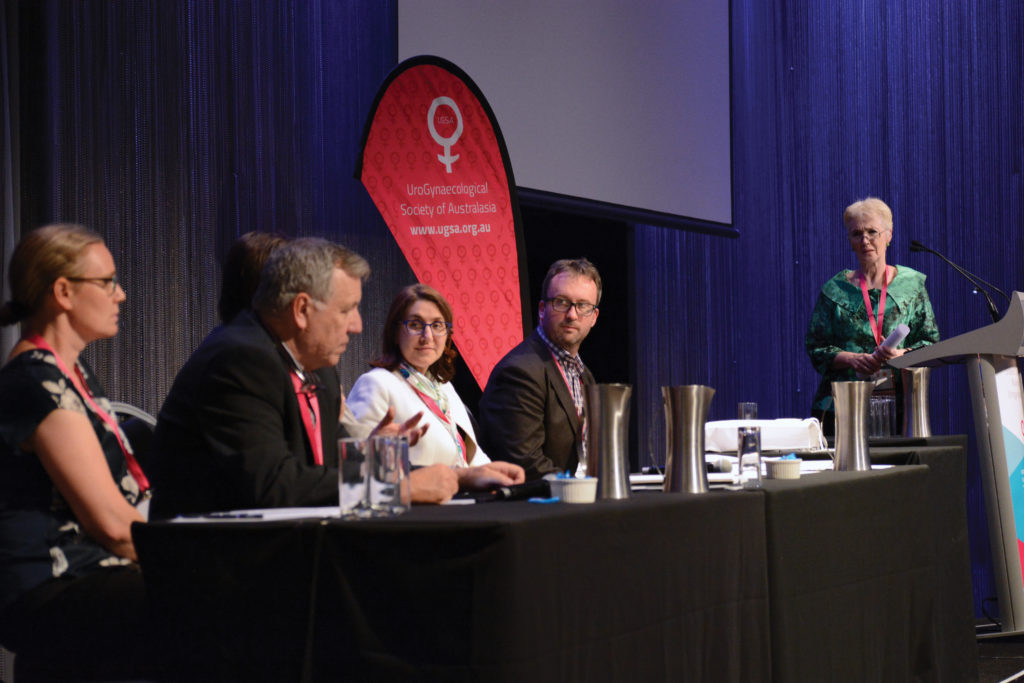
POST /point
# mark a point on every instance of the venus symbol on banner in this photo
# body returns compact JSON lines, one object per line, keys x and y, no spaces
{"x":447,"y":159}
{"x":453,"y":214}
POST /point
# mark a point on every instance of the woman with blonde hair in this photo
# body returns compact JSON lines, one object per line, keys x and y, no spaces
{"x":71,"y":594}
{"x":857,"y":309}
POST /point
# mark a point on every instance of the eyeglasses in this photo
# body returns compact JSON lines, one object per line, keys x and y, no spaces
{"x":438,"y":328}
{"x":583,"y":309}
{"x":870,"y":235}
{"x":109,"y":284}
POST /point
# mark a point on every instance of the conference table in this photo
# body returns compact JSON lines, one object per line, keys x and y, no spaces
{"x":836,"y":576}
{"x":946,"y":458}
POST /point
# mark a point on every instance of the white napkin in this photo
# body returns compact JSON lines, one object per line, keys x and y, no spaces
{"x":784,"y":434}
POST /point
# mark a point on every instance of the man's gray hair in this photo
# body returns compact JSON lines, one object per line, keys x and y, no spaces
{"x":304,"y":265}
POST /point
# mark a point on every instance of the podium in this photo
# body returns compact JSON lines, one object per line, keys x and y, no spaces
{"x":991,"y":355}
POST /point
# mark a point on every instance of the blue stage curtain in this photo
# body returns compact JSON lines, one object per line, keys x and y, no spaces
{"x":919,"y":103}
{"x":172,"y":127}
{"x":9,"y":178}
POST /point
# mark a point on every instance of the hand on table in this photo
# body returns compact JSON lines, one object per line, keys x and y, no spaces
{"x":433,"y":484}
{"x":491,"y":475}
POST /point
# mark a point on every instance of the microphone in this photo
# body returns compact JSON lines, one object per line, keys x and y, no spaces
{"x":970,"y":277}
{"x":539,"y":488}
{"x":917,"y":246}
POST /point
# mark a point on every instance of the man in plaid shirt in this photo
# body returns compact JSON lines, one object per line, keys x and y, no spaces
{"x":532,"y":411}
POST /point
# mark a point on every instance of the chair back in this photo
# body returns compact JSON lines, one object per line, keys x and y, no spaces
{"x":138,"y":426}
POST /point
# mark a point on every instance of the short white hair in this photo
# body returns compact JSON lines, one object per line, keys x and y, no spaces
{"x":865,"y":208}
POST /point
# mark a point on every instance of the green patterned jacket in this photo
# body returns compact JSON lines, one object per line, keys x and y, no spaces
{"x":840,"y":323}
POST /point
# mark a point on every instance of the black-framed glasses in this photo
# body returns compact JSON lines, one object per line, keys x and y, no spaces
{"x":107,"y":283}
{"x":438,"y":328}
{"x":583,"y":309}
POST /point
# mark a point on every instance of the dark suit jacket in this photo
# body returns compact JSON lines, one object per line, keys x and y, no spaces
{"x":230,"y":434}
{"x":526,"y":413}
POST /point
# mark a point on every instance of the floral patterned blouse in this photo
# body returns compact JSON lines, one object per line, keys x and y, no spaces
{"x":39,"y":535}
{"x":840,"y":323}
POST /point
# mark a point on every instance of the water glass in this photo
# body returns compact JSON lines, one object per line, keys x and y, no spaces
{"x":748,"y":455}
{"x":389,"y":489}
{"x":354,"y":462}
{"x":881,"y":416}
{"x":746,"y":410}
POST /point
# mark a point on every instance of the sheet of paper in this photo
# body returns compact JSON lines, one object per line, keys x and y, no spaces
{"x":263,"y":515}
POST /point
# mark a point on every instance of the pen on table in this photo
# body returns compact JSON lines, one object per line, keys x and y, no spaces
{"x":224,"y":515}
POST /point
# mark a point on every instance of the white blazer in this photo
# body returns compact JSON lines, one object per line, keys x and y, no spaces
{"x":379,"y":389}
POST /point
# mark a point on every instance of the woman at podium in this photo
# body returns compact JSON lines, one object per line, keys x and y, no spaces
{"x":858,"y":309}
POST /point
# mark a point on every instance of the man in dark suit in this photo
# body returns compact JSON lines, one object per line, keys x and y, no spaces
{"x":243,"y":425}
{"x":531,"y":412}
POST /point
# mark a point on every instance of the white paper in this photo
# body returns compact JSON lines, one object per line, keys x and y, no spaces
{"x":264,"y":515}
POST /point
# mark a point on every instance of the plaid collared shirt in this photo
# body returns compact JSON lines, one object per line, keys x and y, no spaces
{"x":572,"y":366}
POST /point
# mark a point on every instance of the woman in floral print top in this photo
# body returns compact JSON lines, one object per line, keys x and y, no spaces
{"x":70,"y":591}
{"x":844,"y":334}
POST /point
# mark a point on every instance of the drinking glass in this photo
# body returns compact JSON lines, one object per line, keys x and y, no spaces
{"x":390,"y":492}
{"x":354,"y":462}
{"x":748,"y":453}
{"x":750,"y":470}
{"x":881,"y":416}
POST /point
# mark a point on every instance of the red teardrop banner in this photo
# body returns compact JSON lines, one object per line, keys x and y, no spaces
{"x":435,"y":164}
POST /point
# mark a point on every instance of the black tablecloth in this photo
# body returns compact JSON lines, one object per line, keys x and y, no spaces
{"x":947,"y":510}
{"x":660,"y":587}
{"x":838,"y":576}
{"x":850,"y":577}
{"x":946,"y":458}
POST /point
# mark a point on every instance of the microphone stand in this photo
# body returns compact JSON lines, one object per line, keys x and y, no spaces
{"x":973,"y":279}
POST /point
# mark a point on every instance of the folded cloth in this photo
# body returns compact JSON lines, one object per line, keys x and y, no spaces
{"x":784,"y":434}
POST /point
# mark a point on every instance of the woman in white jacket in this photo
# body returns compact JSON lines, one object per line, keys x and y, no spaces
{"x":413,"y":375}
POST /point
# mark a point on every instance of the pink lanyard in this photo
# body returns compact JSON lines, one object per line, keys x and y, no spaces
{"x":79,"y":383}
{"x":436,"y":410}
{"x":310,"y":411}
{"x":876,"y":325}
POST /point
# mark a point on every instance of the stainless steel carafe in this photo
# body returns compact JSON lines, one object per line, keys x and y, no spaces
{"x":607,"y":407}
{"x":686,"y":411}
{"x":851,"y":402}
{"x":916,"y":421}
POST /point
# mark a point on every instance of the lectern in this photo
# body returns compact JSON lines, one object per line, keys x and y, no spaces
{"x":991,"y":356}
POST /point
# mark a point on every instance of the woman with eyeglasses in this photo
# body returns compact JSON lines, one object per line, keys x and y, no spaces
{"x":413,"y":375}
{"x":71,"y":594}
{"x":857,"y":309}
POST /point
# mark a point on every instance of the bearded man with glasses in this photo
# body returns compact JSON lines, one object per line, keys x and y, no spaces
{"x":532,"y":411}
